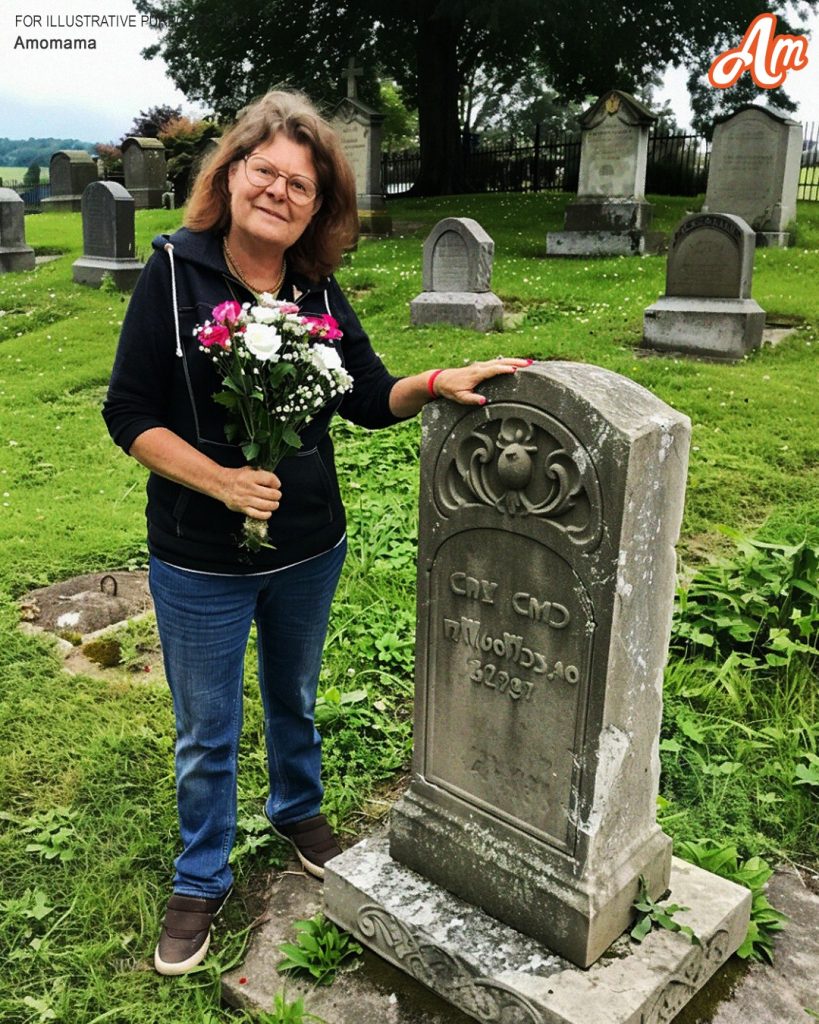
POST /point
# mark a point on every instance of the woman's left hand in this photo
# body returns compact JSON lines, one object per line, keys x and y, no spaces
{"x":459,"y":383}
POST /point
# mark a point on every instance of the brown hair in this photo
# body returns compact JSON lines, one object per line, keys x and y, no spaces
{"x":334,"y":226}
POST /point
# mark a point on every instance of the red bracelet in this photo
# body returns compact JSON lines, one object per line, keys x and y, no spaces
{"x":431,"y":382}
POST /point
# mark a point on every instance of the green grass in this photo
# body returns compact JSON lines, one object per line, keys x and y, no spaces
{"x":80,"y":912}
{"x":18,"y":173}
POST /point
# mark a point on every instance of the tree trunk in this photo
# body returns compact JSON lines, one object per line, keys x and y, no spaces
{"x":442,"y":162}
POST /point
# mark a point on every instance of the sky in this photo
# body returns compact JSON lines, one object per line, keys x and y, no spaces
{"x":94,"y":95}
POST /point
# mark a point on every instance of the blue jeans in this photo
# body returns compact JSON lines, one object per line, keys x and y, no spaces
{"x":204,"y":622}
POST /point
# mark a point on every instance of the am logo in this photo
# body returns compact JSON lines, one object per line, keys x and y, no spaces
{"x":767,"y":56}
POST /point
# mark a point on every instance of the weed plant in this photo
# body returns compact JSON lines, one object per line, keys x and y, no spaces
{"x":88,"y":831}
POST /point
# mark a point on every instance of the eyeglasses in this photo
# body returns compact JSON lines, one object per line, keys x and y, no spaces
{"x":261,"y":174}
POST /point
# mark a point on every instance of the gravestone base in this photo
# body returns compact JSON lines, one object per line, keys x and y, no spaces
{"x":479,"y":311}
{"x":522,"y":881}
{"x":16,"y":258}
{"x":62,"y":204}
{"x":618,"y":215}
{"x":147,"y":198}
{"x":91,"y":269}
{"x":720,"y":329}
{"x":773,"y":239}
{"x":493,"y":973}
{"x":595,"y":243}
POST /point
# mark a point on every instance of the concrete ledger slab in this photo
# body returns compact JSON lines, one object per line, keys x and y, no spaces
{"x":495,"y":974}
{"x":595,"y":243}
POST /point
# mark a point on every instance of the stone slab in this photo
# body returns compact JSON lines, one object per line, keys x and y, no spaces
{"x":62,"y":204}
{"x":773,"y":239}
{"x":595,"y":243}
{"x":91,"y":269}
{"x":480,"y":311}
{"x":614,"y":214}
{"x":720,"y":329}
{"x":493,"y":973}
{"x":14,"y":259}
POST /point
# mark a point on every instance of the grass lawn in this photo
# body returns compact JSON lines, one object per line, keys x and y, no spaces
{"x":87,"y":822}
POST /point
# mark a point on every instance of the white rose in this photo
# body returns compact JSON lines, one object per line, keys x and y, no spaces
{"x":325,"y":358}
{"x":263,"y":341}
{"x":264,"y":314}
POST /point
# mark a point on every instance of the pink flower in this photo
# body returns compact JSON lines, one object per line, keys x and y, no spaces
{"x":214,"y":334}
{"x":227,"y":312}
{"x":288,"y":307}
{"x":324,"y":326}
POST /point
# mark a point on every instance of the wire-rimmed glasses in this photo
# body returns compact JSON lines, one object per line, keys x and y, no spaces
{"x":261,"y":174}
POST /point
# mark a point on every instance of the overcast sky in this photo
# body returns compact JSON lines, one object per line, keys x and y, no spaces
{"x":94,"y":95}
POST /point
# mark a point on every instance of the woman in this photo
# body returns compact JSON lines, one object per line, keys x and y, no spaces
{"x":272,"y":212}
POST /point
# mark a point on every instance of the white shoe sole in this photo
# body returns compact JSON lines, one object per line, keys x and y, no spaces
{"x":183,"y":966}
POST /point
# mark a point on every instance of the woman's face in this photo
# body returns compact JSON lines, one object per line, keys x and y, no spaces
{"x":265,"y":213}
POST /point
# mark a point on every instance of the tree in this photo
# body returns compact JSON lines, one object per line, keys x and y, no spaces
{"x":32,"y":175}
{"x":150,"y":122}
{"x":224,"y":53}
{"x":184,"y":140}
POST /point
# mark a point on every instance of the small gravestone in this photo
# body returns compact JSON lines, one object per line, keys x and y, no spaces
{"x":457,"y":277}
{"x":707,"y":309}
{"x":70,"y":171}
{"x":108,"y":237}
{"x":87,"y":604}
{"x":754,"y":171}
{"x":14,"y":253}
{"x":610,"y":215}
{"x":359,"y":130}
{"x":546,"y":576}
{"x":146,"y":172}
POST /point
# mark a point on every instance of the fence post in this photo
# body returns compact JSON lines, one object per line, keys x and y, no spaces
{"x":536,"y":161}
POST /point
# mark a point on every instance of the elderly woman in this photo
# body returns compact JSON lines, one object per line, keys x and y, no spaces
{"x":272,"y":212}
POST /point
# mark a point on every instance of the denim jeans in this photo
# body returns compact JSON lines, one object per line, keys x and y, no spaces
{"x":204,"y":622}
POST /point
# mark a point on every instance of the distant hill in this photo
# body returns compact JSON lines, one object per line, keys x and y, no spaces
{"x":23,"y":152}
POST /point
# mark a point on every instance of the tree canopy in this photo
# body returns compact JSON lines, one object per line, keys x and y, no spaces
{"x":224,"y":54}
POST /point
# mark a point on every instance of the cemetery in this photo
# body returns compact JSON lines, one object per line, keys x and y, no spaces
{"x":621,"y":720}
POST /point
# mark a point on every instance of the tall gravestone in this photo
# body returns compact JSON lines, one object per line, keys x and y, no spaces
{"x":14,"y":253}
{"x":359,"y":129}
{"x":70,"y":170}
{"x":108,"y":237}
{"x":546,"y":574}
{"x":146,"y":172}
{"x":707,"y":309}
{"x":457,"y":277}
{"x":610,"y":215}
{"x":754,"y":171}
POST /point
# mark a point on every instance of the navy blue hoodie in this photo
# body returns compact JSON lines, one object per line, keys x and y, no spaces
{"x":159,"y":383}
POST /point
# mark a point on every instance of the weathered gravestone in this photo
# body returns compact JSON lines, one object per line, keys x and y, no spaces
{"x":754,"y":171}
{"x":14,"y":253}
{"x":108,"y":237}
{"x":610,"y":215}
{"x":146,"y":172}
{"x":457,"y":277}
{"x":70,"y":170}
{"x":707,"y":309}
{"x":359,"y":130}
{"x":545,"y":584}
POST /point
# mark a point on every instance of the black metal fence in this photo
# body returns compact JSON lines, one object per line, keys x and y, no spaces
{"x":677,"y":165}
{"x":809,"y":174}
{"x":32,"y":195}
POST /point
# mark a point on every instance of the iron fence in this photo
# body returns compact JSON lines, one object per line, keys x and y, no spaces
{"x":809,"y":171}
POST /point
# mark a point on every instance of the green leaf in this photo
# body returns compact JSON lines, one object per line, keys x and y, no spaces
{"x":250,"y":450}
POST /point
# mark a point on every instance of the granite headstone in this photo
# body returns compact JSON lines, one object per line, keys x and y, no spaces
{"x":457,"y":277}
{"x":14,"y":253}
{"x":70,"y":170}
{"x":707,"y":309}
{"x":108,"y":237}
{"x":146,"y":172}
{"x":610,"y":215}
{"x":754,"y":171}
{"x":546,"y":576}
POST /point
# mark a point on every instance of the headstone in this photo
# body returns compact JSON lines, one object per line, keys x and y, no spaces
{"x":14,"y":253}
{"x":610,"y":215}
{"x":457,"y":276}
{"x":707,"y":309}
{"x":754,"y":171}
{"x":70,"y":170}
{"x":108,"y":237}
{"x":546,"y":575}
{"x":143,"y":161}
{"x":359,"y":130}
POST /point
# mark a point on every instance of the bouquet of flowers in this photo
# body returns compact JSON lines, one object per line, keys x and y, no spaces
{"x":276,"y":374}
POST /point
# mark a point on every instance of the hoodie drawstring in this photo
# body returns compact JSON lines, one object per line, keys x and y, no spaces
{"x":169,"y":250}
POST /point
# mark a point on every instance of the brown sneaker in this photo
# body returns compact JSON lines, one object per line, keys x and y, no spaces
{"x":314,"y":842}
{"x":185,"y":936}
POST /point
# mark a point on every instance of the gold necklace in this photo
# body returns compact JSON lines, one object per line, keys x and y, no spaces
{"x":230,"y":259}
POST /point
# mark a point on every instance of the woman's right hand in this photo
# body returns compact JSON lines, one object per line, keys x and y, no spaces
{"x":254,"y":492}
